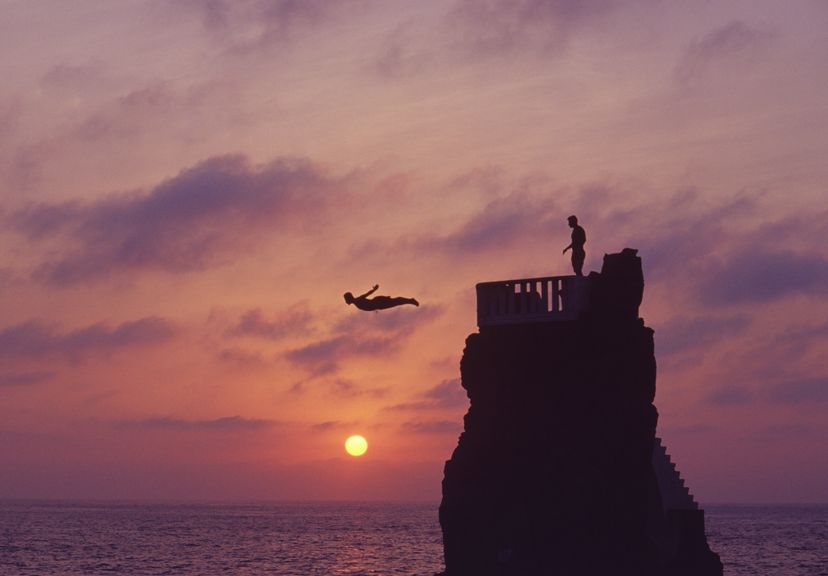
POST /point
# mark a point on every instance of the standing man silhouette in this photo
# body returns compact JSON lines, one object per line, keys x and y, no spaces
{"x":577,"y":246}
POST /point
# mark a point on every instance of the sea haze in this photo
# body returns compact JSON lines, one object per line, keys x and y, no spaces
{"x":331,"y":538}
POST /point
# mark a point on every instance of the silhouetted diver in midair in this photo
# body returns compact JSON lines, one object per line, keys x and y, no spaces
{"x":577,"y":245}
{"x":377,"y":302}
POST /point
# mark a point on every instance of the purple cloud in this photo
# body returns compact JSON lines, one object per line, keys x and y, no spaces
{"x":295,"y":321}
{"x":734,"y":39}
{"x":250,"y":24}
{"x":684,"y":333}
{"x":71,"y":77}
{"x":188,"y":222}
{"x":494,"y":27}
{"x":502,"y":223}
{"x":331,"y":425}
{"x":447,"y":394}
{"x":349,"y":389}
{"x":36,"y":339}
{"x":757,"y":275}
{"x":800,"y":391}
{"x":226,"y":423}
{"x":241,"y":358}
{"x":432,"y":426}
{"x":361,"y":334}
{"x":323,"y":357}
{"x":25,"y":378}
{"x":730,"y":395}
{"x":801,"y":336}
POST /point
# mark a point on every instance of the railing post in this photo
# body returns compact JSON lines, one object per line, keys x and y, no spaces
{"x":531,"y":300}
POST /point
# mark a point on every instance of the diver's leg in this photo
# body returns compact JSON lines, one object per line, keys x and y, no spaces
{"x":399,"y":301}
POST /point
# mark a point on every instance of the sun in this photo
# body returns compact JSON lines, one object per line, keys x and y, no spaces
{"x":356,"y":445}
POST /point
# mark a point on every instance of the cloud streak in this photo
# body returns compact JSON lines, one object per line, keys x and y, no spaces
{"x":448,"y":394}
{"x":758,"y":276}
{"x":226,"y":423}
{"x":684,"y":333}
{"x":23,"y":379}
{"x":385,"y":333}
{"x":186,"y":223}
{"x":735,"y":40}
{"x":246,"y":25}
{"x":35,"y":339}
{"x":498,"y":27}
{"x":801,"y":391}
{"x":293,"y":322}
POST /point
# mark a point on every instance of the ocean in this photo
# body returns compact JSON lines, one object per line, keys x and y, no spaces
{"x":66,"y":538}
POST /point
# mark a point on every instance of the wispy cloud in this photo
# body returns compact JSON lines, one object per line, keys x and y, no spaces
{"x":432,"y":426}
{"x":189,"y":222}
{"x":684,"y":333}
{"x":497,"y":27}
{"x":760,"y":275}
{"x":361,"y":334}
{"x":244,"y":25}
{"x":800,"y":391}
{"x":292,"y":322}
{"x":323,"y":356}
{"x":330,"y":425}
{"x":25,"y":378}
{"x":226,"y":423}
{"x":36,"y":339}
{"x":736,"y":40}
{"x":448,"y":394}
{"x":731,"y":395}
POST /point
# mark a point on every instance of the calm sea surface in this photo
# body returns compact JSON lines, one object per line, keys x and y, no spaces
{"x":330,"y":539}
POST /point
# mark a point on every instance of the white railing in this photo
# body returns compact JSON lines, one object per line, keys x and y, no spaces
{"x":527,"y":300}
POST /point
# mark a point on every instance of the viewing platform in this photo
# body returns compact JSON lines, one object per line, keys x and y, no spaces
{"x":531,"y":300}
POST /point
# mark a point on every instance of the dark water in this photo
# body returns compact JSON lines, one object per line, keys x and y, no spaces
{"x":331,"y":539}
{"x":770,"y":540}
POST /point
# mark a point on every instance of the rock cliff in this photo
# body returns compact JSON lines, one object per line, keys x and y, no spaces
{"x":554,"y":472}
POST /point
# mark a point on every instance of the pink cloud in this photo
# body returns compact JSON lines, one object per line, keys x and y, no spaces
{"x":25,"y":378}
{"x":683,"y":333}
{"x":760,"y":275}
{"x":355,"y":336}
{"x":496,"y":27}
{"x":295,"y":321}
{"x":323,"y":356}
{"x":448,"y":394}
{"x":432,"y":426}
{"x":36,"y":339}
{"x":225,"y":423}
{"x":734,"y":40}
{"x":254,"y":24}
{"x":801,"y":391}
{"x":188,"y":222}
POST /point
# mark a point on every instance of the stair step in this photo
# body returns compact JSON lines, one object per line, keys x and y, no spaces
{"x":675,"y":494}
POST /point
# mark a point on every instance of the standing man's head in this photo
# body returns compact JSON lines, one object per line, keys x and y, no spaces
{"x":573,"y":221}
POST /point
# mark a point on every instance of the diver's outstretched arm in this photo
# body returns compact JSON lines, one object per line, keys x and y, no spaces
{"x":371,"y":291}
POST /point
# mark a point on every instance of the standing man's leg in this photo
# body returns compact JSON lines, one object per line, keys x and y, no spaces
{"x":578,"y":257}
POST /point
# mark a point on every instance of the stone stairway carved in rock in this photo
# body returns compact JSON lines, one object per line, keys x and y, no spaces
{"x":674,"y":493}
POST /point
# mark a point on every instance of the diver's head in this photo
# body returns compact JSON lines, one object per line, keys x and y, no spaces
{"x":349,"y":298}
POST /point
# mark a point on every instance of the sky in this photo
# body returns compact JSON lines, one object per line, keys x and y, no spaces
{"x":188,"y":187}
